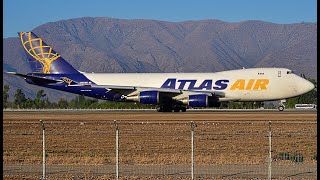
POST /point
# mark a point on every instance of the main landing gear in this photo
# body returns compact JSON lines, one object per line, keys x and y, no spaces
{"x":175,"y":108}
{"x":281,"y":106}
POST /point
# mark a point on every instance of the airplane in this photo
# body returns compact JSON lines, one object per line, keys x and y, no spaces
{"x":169,"y":91}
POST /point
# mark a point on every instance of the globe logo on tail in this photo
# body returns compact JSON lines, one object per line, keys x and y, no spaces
{"x":37,"y":49}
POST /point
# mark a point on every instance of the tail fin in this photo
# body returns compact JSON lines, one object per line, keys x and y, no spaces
{"x":42,"y":58}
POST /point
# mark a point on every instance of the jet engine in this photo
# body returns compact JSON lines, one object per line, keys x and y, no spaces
{"x":202,"y":100}
{"x":145,"y":97}
{"x":149,"y":97}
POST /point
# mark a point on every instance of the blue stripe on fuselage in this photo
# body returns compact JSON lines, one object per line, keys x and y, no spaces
{"x":79,"y":78}
{"x":100,"y":93}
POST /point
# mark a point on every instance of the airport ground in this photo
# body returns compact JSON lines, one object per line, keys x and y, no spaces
{"x":87,"y":138}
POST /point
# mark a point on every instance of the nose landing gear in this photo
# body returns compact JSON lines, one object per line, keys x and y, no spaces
{"x":281,"y":106}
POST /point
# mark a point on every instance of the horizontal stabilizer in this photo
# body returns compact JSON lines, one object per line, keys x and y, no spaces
{"x":36,"y":78}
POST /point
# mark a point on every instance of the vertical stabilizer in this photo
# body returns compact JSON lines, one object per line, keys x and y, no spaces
{"x":42,"y":58}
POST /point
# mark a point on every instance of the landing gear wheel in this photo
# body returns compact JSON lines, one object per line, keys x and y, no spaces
{"x":281,"y":105}
{"x":167,"y":109}
{"x":160,"y":109}
{"x":281,"y":108}
{"x":164,"y":109}
{"x":183,"y":109}
{"x":176,"y":110}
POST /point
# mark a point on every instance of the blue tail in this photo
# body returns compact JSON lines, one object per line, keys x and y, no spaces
{"x":42,"y":58}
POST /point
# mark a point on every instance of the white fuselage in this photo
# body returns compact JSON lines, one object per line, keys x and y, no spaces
{"x":256,"y":84}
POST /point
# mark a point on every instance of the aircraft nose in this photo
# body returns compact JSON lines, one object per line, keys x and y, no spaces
{"x":307,"y":86}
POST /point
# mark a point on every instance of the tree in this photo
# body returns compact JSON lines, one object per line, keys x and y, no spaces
{"x":63,"y":104}
{"x":80,"y":102}
{"x":47,"y":103}
{"x":29,"y":103}
{"x":39,"y":100}
{"x":20,"y":98}
{"x":6,"y":89}
{"x":40,"y":94}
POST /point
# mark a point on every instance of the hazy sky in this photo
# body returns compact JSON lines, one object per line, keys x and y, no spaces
{"x":21,"y":15}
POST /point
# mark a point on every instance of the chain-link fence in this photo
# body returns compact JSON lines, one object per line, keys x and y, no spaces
{"x":163,"y":150}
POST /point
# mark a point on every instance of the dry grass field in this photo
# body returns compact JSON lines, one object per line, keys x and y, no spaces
{"x":88,"y":138}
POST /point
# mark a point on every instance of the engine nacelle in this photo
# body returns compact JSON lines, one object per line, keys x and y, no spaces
{"x":149,"y":97}
{"x":202,"y":100}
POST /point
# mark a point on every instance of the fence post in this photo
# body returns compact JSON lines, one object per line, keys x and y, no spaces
{"x":193,"y":125}
{"x":270,"y":158}
{"x":117,"y":149}
{"x":43,"y":150}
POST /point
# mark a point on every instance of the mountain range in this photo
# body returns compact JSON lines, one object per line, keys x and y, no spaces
{"x":102,"y":44}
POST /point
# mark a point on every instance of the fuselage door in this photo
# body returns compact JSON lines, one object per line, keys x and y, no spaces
{"x":279,"y":73}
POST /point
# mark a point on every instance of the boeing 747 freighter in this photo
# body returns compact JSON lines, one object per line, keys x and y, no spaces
{"x":170,"y":91}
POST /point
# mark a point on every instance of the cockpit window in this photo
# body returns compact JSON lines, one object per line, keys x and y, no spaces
{"x":290,"y":72}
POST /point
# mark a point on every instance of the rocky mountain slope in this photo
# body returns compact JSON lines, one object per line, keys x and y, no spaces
{"x":117,"y":45}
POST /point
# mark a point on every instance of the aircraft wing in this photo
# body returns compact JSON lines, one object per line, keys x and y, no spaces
{"x":125,"y":90}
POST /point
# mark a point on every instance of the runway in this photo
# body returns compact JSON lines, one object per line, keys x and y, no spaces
{"x":155,"y":111}
{"x":142,"y":115}
{"x":149,"y":140}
